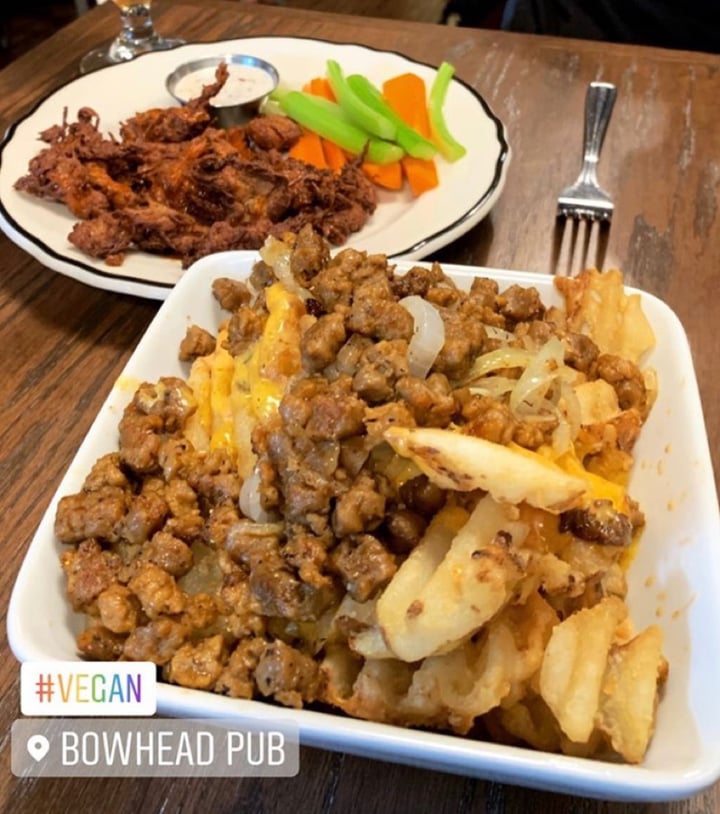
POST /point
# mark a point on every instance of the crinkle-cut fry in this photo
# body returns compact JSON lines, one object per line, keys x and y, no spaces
{"x":597,"y":305}
{"x":340,"y":668}
{"x":244,"y":425}
{"x":210,"y":379}
{"x":415,"y":573}
{"x":370,"y":643}
{"x":364,"y":637}
{"x":352,"y":609}
{"x":412,"y":576}
{"x":437,"y":599}
{"x":630,"y":691}
{"x":495,"y":670}
{"x":261,"y":373}
{"x":598,"y":402}
{"x":222,"y":367}
{"x":574,"y":665}
{"x":380,"y":687}
{"x":594,"y":746}
{"x":235,"y":393}
{"x":465,"y":463}
{"x":373,"y":690}
{"x":198,"y":426}
{"x":532,"y":624}
{"x":529,"y":720}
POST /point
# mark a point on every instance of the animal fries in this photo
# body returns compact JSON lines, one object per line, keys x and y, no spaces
{"x":303,"y":520}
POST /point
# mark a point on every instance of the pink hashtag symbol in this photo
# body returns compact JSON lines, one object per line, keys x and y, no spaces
{"x":44,"y":687}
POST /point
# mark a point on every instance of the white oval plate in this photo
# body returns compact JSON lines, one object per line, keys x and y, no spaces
{"x":401,"y":225}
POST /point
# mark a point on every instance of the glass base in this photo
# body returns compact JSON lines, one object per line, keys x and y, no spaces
{"x":118,"y":52}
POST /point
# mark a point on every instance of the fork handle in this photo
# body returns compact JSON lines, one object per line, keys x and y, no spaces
{"x":599,"y":103}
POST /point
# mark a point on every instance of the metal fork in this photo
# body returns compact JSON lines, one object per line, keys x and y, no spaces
{"x":585,"y":198}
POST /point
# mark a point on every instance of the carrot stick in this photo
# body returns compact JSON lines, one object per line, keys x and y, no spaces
{"x":407,"y":96}
{"x":421,"y":174}
{"x":319,"y":86}
{"x":308,"y":148}
{"x":335,"y":156}
{"x":389,"y":176}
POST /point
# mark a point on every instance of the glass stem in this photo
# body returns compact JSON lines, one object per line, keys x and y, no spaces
{"x":137,"y":24}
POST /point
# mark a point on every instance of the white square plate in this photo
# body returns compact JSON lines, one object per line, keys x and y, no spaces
{"x":674,"y":580}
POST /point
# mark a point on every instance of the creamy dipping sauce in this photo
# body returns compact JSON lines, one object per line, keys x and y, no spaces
{"x":244,"y":84}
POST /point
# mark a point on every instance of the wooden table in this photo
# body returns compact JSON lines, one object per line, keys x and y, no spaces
{"x":64,"y":343}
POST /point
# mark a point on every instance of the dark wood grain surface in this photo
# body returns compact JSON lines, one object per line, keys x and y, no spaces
{"x":63,"y":343}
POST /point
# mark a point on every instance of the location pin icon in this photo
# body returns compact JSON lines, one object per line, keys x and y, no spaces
{"x":38,"y":746}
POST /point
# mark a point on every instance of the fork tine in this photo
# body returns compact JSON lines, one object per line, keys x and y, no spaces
{"x":579,"y":243}
{"x":585,"y":198}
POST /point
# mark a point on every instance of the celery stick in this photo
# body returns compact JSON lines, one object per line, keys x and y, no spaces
{"x":328,"y":120}
{"x":448,"y":146}
{"x":355,"y":108}
{"x":407,"y":137}
{"x":270,"y":107}
{"x":279,"y":91}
